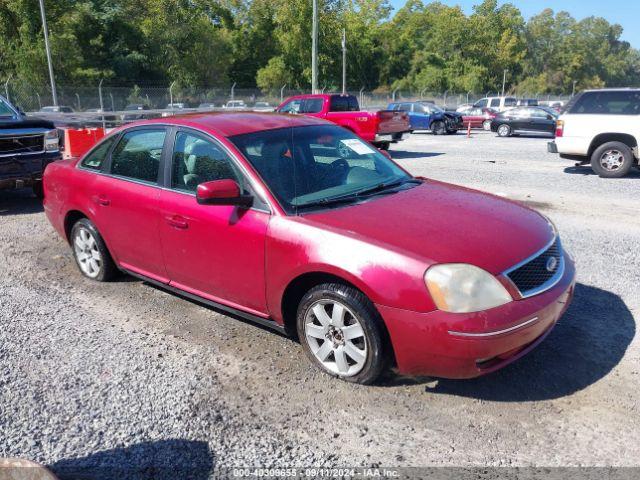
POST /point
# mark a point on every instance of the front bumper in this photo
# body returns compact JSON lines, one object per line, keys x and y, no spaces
{"x":24,"y":170}
{"x":552,"y":147}
{"x":424,"y":345}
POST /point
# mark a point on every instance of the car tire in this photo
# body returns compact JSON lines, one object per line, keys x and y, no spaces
{"x":486,"y":125}
{"x":357,"y":356}
{"x":438,"y":128}
{"x":452,"y":132}
{"x":38,"y":189}
{"x":91,"y":253}
{"x":504,"y":130}
{"x":384,"y":145}
{"x":612,"y":160}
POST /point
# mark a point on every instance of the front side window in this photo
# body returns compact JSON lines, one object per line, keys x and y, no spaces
{"x":6,"y":110}
{"x":197,"y":160}
{"x":308,"y":167}
{"x":95,"y":158}
{"x":405,"y":107}
{"x":495,"y":102}
{"x":508,"y":102}
{"x":137,"y":155}
{"x":482,"y":103}
{"x":608,"y":103}
{"x":292,"y":106}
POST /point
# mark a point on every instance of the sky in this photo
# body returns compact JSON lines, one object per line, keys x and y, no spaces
{"x":623,"y":12}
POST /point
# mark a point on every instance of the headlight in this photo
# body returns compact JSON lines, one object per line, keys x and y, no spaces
{"x":51,"y":141}
{"x":464,"y":288}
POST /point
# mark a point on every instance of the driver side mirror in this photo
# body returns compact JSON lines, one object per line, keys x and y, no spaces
{"x":222,"y":192}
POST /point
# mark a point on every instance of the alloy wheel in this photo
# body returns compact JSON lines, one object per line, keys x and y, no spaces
{"x":504,"y":130}
{"x":486,"y":125}
{"x":612,"y":160}
{"x":335,"y":337}
{"x":87,"y":253}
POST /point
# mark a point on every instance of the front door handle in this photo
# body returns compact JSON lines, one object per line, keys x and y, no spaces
{"x":177,"y":221}
{"x":101,"y":200}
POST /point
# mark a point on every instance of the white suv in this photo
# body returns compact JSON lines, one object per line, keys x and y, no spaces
{"x":601,"y":127}
{"x":497,"y":103}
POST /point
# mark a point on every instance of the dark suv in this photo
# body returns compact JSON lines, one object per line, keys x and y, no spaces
{"x":27,"y":145}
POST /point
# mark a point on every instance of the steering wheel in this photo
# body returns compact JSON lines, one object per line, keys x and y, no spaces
{"x":341,"y":167}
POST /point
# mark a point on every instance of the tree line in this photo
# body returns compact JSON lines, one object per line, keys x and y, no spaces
{"x":267,"y":44}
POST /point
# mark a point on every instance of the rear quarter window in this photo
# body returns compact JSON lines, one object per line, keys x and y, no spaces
{"x":606,"y":103}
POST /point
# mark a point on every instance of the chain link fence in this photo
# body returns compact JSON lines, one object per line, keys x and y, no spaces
{"x":117,"y":98}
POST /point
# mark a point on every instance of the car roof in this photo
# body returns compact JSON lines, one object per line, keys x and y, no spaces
{"x":236,"y":123}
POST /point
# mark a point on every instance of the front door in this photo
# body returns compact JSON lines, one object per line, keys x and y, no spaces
{"x":127,"y":201}
{"x":214,"y":251}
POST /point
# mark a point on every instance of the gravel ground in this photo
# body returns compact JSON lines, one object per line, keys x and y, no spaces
{"x":98,"y":376}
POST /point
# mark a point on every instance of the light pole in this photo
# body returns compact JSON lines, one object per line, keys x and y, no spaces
{"x":171,"y":93}
{"x":233,"y":90}
{"x":344,"y":61}
{"x":78,"y":98}
{"x":314,"y":48}
{"x":54,"y":94}
{"x":573,"y":90}
{"x":6,"y":88}
{"x":504,"y":80}
{"x":104,"y":125}
{"x":282,"y":92}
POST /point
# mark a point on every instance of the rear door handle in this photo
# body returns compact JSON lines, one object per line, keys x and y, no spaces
{"x":177,"y":221}
{"x":101,"y":200}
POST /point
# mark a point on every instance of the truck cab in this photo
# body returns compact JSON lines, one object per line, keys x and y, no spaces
{"x":27,"y":145}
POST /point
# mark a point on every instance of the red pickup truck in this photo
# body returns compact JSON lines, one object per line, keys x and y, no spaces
{"x":380,"y":128}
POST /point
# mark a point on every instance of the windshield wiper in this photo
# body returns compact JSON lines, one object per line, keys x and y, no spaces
{"x":381,"y":187}
{"x":385,"y":186}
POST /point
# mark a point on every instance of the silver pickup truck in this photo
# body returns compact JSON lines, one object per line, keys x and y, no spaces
{"x":27,"y":145}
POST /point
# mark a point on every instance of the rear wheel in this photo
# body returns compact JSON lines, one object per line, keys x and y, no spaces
{"x":612,"y":160}
{"x":486,"y":125}
{"x":341,"y":333}
{"x":504,"y":130}
{"x":384,"y":145}
{"x":90,"y":252}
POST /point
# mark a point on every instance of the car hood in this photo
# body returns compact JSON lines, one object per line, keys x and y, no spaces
{"x":19,"y":123}
{"x":442,"y":223}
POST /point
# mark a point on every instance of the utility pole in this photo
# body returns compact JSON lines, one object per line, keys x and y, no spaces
{"x":573,"y":91}
{"x":54,"y":94}
{"x":504,"y":80}
{"x":314,"y":49}
{"x":344,"y":61}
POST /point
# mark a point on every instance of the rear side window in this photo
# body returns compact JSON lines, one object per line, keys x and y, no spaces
{"x":344,"y":103}
{"x":495,"y":102}
{"x":607,"y":103}
{"x":509,"y":102}
{"x":95,"y":158}
{"x":312,"y":105}
{"x":137,"y":155}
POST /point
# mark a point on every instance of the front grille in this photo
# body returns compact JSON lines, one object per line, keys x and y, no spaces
{"x":21,"y":144}
{"x":540,"y":272}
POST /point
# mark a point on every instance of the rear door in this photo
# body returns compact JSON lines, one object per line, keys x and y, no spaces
{"x":542,"y":122}
{"x":127,"y":201}
{"x":213,"y":251}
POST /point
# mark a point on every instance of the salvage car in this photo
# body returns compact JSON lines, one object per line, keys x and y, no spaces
{"x":478,"y":118}
{"x":301,"y":226}
{"x":27,"y":145}
{"x":536,"y":121}
{"x":381,"y":128}
{"x":427,"y":116}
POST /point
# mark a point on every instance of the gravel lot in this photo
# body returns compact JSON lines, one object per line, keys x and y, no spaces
{"x":126,"y":375}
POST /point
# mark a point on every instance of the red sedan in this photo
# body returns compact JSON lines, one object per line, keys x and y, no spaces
{"x":298,"y":224}
{"x":478,"y":118}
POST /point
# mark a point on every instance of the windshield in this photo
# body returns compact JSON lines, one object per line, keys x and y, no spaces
{"x":307,"y":167}
{"x":6,"y":110}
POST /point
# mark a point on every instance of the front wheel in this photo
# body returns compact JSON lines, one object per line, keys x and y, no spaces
{"x":504,"y":130}
{"x":90,"y":252}
{"x":341,"y":333}
{"x":438,"y":128}
{"x":612,"y":160}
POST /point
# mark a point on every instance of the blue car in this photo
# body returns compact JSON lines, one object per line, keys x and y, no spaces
{"x":427,"y":116}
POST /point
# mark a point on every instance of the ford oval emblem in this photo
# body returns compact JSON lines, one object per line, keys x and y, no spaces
{"x":552,"y":264}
